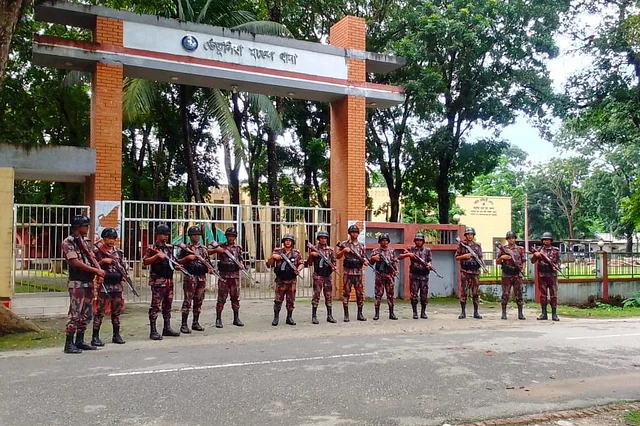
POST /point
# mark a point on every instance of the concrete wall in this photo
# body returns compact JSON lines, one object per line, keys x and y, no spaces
{"x":6,"y":233}
{"x":490,"y":216}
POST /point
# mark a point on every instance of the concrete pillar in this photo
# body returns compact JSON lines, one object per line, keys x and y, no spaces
{"x":104,"y":190}
{"x":348,"y":154}
{"x":6,"y":235}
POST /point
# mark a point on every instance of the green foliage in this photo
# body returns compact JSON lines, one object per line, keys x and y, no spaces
{"x":632,"y":418}
{"x":633,"y":301}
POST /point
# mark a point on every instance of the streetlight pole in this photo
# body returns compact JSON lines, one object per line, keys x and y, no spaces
{"x":526,"y":222}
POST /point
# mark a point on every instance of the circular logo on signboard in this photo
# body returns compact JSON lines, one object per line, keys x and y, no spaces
{"x":190,"y":43}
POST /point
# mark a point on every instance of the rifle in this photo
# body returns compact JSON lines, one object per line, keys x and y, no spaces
{"x":357,"y":256}
{"x":172,"y":262}
{"x":119,"y":268}
{"x":504,"y":250}
{"x":388,"y":263}
{"x":423,"y":263}
{"x":286,"y":259}
{"x":83,"y":246}
{"x":243,"y":268}
{"x":555,"y":267}
{"x":474,"y":255}
{"x":323,"y":257}
{"x":202,"y":260}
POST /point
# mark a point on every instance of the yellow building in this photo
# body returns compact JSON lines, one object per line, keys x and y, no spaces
{"x":489,"y":216}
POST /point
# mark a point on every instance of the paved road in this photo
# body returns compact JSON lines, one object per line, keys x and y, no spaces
{"x":411,"y":378}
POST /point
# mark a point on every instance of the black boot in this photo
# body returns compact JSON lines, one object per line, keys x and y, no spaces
{"x":290,"y":320}
{"x":69,"y":346}
{"x":554,"y":314}
{"x":504,"y":313}
{"x":153,"y":334}
{"x":184,"y":328}
{"x":376,"y":315}
{"x":520,"y":313}
{"x":314,"y":315}
{"x":236,"y":319}
{"x":414,"y":306}
{"x":346,"y":313}
{"x":423,"y":313}
{"x":463,"y":313}
{"x":476,"y":315}
{"x":276,"y":316}
{"x":360,"y":316}
{"x":117,"y":339}
{"x":330,"y":315}
{"x":80,"y":344}
{"x":218,"y":319}
{"x":95,"y":338}
{"x":195,"y":325}
{"x":543,"y":316}
{"x":392,"y":316}
{"x":167,"y":330}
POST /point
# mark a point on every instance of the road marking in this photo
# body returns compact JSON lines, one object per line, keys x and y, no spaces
{"x":605,"y":336}
{"x":239,"y":364}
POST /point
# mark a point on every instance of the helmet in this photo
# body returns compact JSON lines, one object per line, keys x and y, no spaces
{"x":80,"y":220}
{"x":353,"y":228}
{"x":383,"y":236}
{"x":511,"y":234}
{"x":419,"y":236}
{"x":163,"y":229}
{"x":469,"y":230}
{"x":288,"y":237}
{"x":547,"y":236}
{"x":109,"y":233}
{"x":322,"y":234}
{"x":231,"y":231}
{"x":194,"y":230}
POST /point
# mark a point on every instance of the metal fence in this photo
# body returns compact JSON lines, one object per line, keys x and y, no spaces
{"x":623,"y":265}
{"x":259,"y":231}
{"x":38,"y":232}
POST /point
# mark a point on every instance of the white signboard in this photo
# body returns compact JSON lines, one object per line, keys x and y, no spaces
{"x":241,"y":52}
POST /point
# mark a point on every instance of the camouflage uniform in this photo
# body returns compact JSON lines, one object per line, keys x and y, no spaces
{"x":385,"y":278}
{"x":511,"y":276}
{"x":194,"y":285}
{"x":548,"y":277}
{"x":353,"y":274}
{"x":113,"y":285}
{"x":419,"y":275}
{"x":470,"y":271}
{"x":322,"y":274}
{"x":230,"y":272}
{"x":161,"y":283}
{"x":80,"y":287}
{"x":286,"y":281}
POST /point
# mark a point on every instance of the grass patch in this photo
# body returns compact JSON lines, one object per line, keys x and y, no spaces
{"x":45,"y":339}
{"x":601,"y":311}
{"x":632,"y":418}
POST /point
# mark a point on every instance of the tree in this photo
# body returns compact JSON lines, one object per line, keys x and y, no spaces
{"x":10,"y":13}
{"x":482,"y":63}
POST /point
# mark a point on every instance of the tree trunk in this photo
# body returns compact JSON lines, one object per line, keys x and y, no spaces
{"x":189,"y":159}
{"x":11,"y":323}
{"x":394,"y":202}
{"x":10,"y":11}
{"x":442,"y":188}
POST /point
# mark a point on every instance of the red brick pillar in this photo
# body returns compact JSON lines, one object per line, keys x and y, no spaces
{"x":104,"y":190}
{"x":348,"y":193}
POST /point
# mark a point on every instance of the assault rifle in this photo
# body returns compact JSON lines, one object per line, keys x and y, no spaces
{"x":505,"y":250}
{"x":173,"y":263}
{"x":118,"y":266}
{"x":205,"y":262}
{"x":423,"y":263}
{"x":545,"y":259}
{"x":389,"y":264}
{"x":240,"y":265}
{"x":323,"y":257}
{"x":357,"y":256}
{"x":474,"y":255}
{"x":286,"y":259}
{"x":83,"y":246}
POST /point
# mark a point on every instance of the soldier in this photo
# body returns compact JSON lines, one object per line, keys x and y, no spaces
{"x":470,"y":272}
{"x":322,"y":276}
{"x":512,"y":260}
{"x":230,"y":272}
{"x":108,"y":255}
{"x":194,"y":285}
{"x":354,"y":259}
{"x":419,"y":274}
{"x":547,"y":275}
{"x":161,"y":282}
{"x":81,"y":276}
{"x":286,"y":277}
{"x":386,"y":272}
